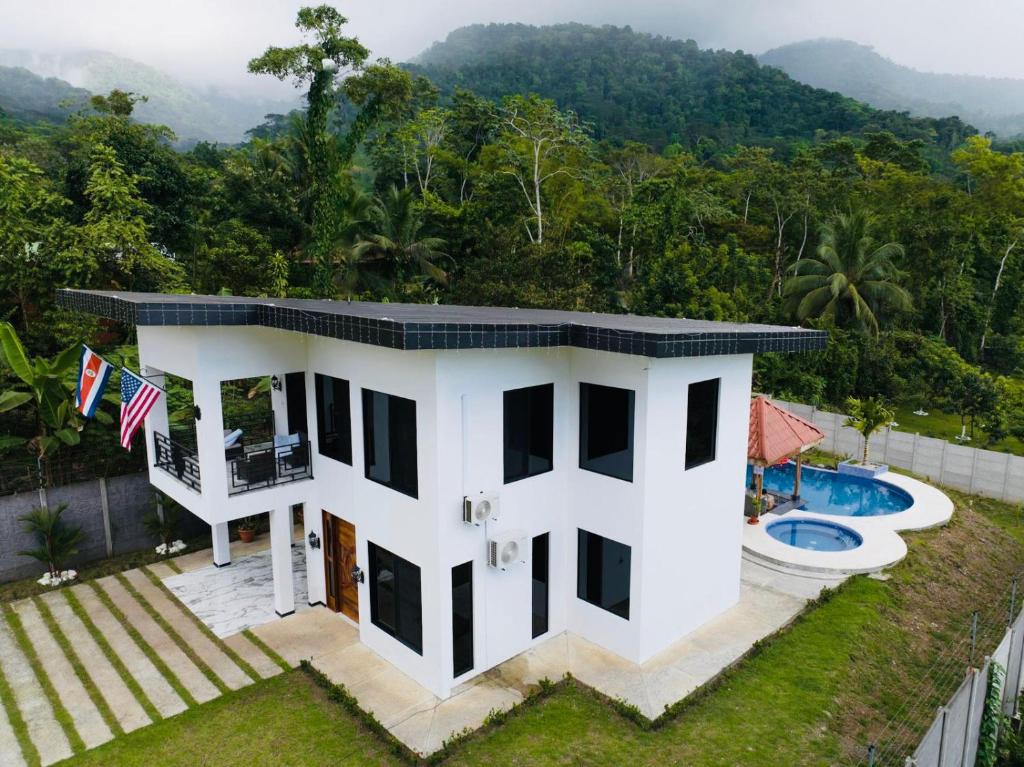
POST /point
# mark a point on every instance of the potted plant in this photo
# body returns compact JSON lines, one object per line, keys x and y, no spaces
{"x":247,"y":529}
{"x":56,"y":541}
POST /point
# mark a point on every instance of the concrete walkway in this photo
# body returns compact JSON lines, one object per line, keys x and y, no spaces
{"x":769,"y":600}
{"x":133,"y":664}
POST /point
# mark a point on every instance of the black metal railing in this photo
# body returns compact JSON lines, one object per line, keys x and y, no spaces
{"x":177,"y":460}
{"x":267,"y":465}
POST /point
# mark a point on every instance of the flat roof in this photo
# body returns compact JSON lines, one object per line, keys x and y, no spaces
{"x":440,"y":326}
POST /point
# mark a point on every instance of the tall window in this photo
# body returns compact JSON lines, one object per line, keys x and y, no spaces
{"x":462,"y":618}
{"x":395,"y":605}
{"x":529,"y":429}
{"x":701,"y":422}
{"x":606,"y":430}
{"x":333,"y":418}
{"x":539,"y":559}
{"x":602,"y":574}
{"x":389,"y":441}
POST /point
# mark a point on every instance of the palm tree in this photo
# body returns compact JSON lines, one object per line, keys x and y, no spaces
{"x":852,"y":280}
{"x":867,"y":416}
{"x":56,"y":540}
{"x":397,"y":238}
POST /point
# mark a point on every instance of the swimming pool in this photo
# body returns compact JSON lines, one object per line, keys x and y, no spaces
{"x":828,"y":492}
{"x":814,"y":534}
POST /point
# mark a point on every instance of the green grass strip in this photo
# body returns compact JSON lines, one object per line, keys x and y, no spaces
{"x":76,"y":663}
{"x":235,"y":657}
{"x":174,"y":566}
{"x":17,"y":722}
{"x":184,"y":646}
{"x":60,"y":712}
{"x":141,"y":643}
{"x":267,"y":650}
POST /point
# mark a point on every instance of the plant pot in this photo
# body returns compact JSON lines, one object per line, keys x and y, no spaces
{"x":246,"y":536}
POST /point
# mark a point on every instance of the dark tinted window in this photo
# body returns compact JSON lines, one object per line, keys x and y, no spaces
{"x":389,"y":441}
{"x":395,"y":605}
{"x":529,"y":417}
{"x":540,"y":584}
{"x":462,"y":618}
{"x":333,"y":418}
{"x":295,"y":401}
{"x":701,"y":422}
{"x":602,"y":575}
{"x":606,"y":430}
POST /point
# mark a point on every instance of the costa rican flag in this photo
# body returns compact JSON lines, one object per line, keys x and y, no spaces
{"x":93,"y":373}
{"x":137,"y":399}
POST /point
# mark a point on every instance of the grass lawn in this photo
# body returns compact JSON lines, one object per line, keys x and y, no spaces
{"x":945,"y":426}
{"x":816,"y":694}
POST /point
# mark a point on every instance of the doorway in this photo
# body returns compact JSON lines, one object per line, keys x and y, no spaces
{"x":339,"y":560}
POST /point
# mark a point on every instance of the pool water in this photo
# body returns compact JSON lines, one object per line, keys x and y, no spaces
{"x":814,"y":534}
{"x":828,"y":492}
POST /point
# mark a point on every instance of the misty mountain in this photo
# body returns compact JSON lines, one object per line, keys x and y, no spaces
{"x":658,"y":90}
{"x":857,"y":71}
{"x":193,"y":114}
{"x":28,"y":97}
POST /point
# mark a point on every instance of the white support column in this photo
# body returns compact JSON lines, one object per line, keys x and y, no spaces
{"x":210,"y":441}
{"x":281,"y":561}
{"x":279,"y":404}
{"x":221,"y":544}
{"x":156,"y":421}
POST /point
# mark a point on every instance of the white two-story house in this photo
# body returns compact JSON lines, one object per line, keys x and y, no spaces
{"x":474,"y":480}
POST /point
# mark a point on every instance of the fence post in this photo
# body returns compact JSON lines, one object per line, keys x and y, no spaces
{"x":105,"y":507}
{"x":942,"y":735}
{"x":942,"y":463}
{"x":1013,"y":602}
{"x":1006,"y":476}
{"x":974,"y":470}
{"x":42,"y":497}
{"x":972,"y":674}
{"x":871,"y":755}
{"x":913,"y":452}
{"x":974,"y":636}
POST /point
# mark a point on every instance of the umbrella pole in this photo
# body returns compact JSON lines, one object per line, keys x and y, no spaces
{"x":796,"y":482}
{"x":758,"y":488}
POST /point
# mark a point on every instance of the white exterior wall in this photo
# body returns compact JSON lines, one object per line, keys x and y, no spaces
{"x":683,"y":527}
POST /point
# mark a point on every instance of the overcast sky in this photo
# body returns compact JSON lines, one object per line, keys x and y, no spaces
{"x":209,"y":41}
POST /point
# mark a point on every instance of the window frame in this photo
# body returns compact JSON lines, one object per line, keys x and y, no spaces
{"x":406,"y":443}
{"x":530,"y":395}
{"x":585,"y":542}
{"x":705,"y":458}
{"x":402,"y":571}
{"x":320,"y":382}
{"x":586,"y":462}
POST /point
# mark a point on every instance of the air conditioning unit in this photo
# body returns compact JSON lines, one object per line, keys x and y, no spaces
{"x":480,"y":508}
{"x":507,"y":550}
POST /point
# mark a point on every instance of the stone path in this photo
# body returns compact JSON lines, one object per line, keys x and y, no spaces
{"x":130,"y":662}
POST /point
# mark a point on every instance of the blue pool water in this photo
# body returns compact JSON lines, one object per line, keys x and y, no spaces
{"x":815,"y":535}
{"x":828,"y":492}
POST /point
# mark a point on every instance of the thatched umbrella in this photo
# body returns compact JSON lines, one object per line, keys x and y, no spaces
{"x":776,"y":434}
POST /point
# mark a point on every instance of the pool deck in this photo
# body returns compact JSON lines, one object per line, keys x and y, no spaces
{"x":882,"y":546}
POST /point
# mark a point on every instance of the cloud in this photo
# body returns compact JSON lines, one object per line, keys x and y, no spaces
{"x":208,"y":42}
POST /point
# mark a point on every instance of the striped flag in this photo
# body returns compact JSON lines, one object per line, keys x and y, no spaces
{"x":93,"y":373}
{"x":137,"y":399}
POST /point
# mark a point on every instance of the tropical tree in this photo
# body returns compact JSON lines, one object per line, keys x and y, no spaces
{"x":852,"y":281}
{"x":56,"y":540}
{"x":867,"y":416}
{"x":397,"y":238}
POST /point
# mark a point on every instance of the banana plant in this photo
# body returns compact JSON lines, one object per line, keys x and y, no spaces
{"x":46,"y":385}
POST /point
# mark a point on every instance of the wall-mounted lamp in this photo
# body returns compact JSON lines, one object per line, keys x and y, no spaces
{"x":357,"y":574}
{"x":275,"y":383}
{"x":314,"y":540}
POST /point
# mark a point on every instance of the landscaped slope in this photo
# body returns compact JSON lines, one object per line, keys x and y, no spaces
{"x":639,"y":87}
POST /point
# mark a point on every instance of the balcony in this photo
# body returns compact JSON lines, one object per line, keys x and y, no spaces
{"x":177,"y":460}
{"x":255,"y":467}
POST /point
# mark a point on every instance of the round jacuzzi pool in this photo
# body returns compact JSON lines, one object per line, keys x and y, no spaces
{"x":814,"y":534}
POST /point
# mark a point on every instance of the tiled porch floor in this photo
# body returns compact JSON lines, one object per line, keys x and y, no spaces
{"x":769,"y":600}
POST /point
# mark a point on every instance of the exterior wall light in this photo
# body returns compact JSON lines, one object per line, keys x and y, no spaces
{"x":357,"y":574}
{"x":275,"y":383}
{"x":314,"y":540}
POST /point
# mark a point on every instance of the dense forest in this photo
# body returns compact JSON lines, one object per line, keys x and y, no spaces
{"x":646,"y":176}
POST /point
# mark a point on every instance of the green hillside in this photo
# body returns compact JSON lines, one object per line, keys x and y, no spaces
{"x":28,"y":97}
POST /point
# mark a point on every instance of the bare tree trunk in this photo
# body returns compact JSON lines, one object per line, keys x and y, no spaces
{"x":746,"y":205}
{"x":803,"y":242}
{"x":995,"y":289}
{"x":618,"y":246}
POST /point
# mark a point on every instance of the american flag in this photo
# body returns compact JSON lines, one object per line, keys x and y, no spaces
{"x":137,"y":399}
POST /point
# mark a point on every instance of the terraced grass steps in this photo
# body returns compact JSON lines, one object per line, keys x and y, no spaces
{"x":49,"y":743}
{"x":106,"y":652}
{"x":261,"y":663}
{"x":14,"y":739}
{"x":87,"y":725}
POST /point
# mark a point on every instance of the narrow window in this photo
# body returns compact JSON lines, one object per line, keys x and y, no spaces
{"x":606,"y":430}
{"x":395,"y":603}
{"x":389,"y":441}
{"x":529,"y":431}
{"x":540,"y":584}
{"x":701,"y":422}
{"x":333,"y":418}
{"x":462,"y":618}
{"x":602,"y":574}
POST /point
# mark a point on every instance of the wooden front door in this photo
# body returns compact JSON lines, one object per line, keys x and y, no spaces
{"x":339,"y":559}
